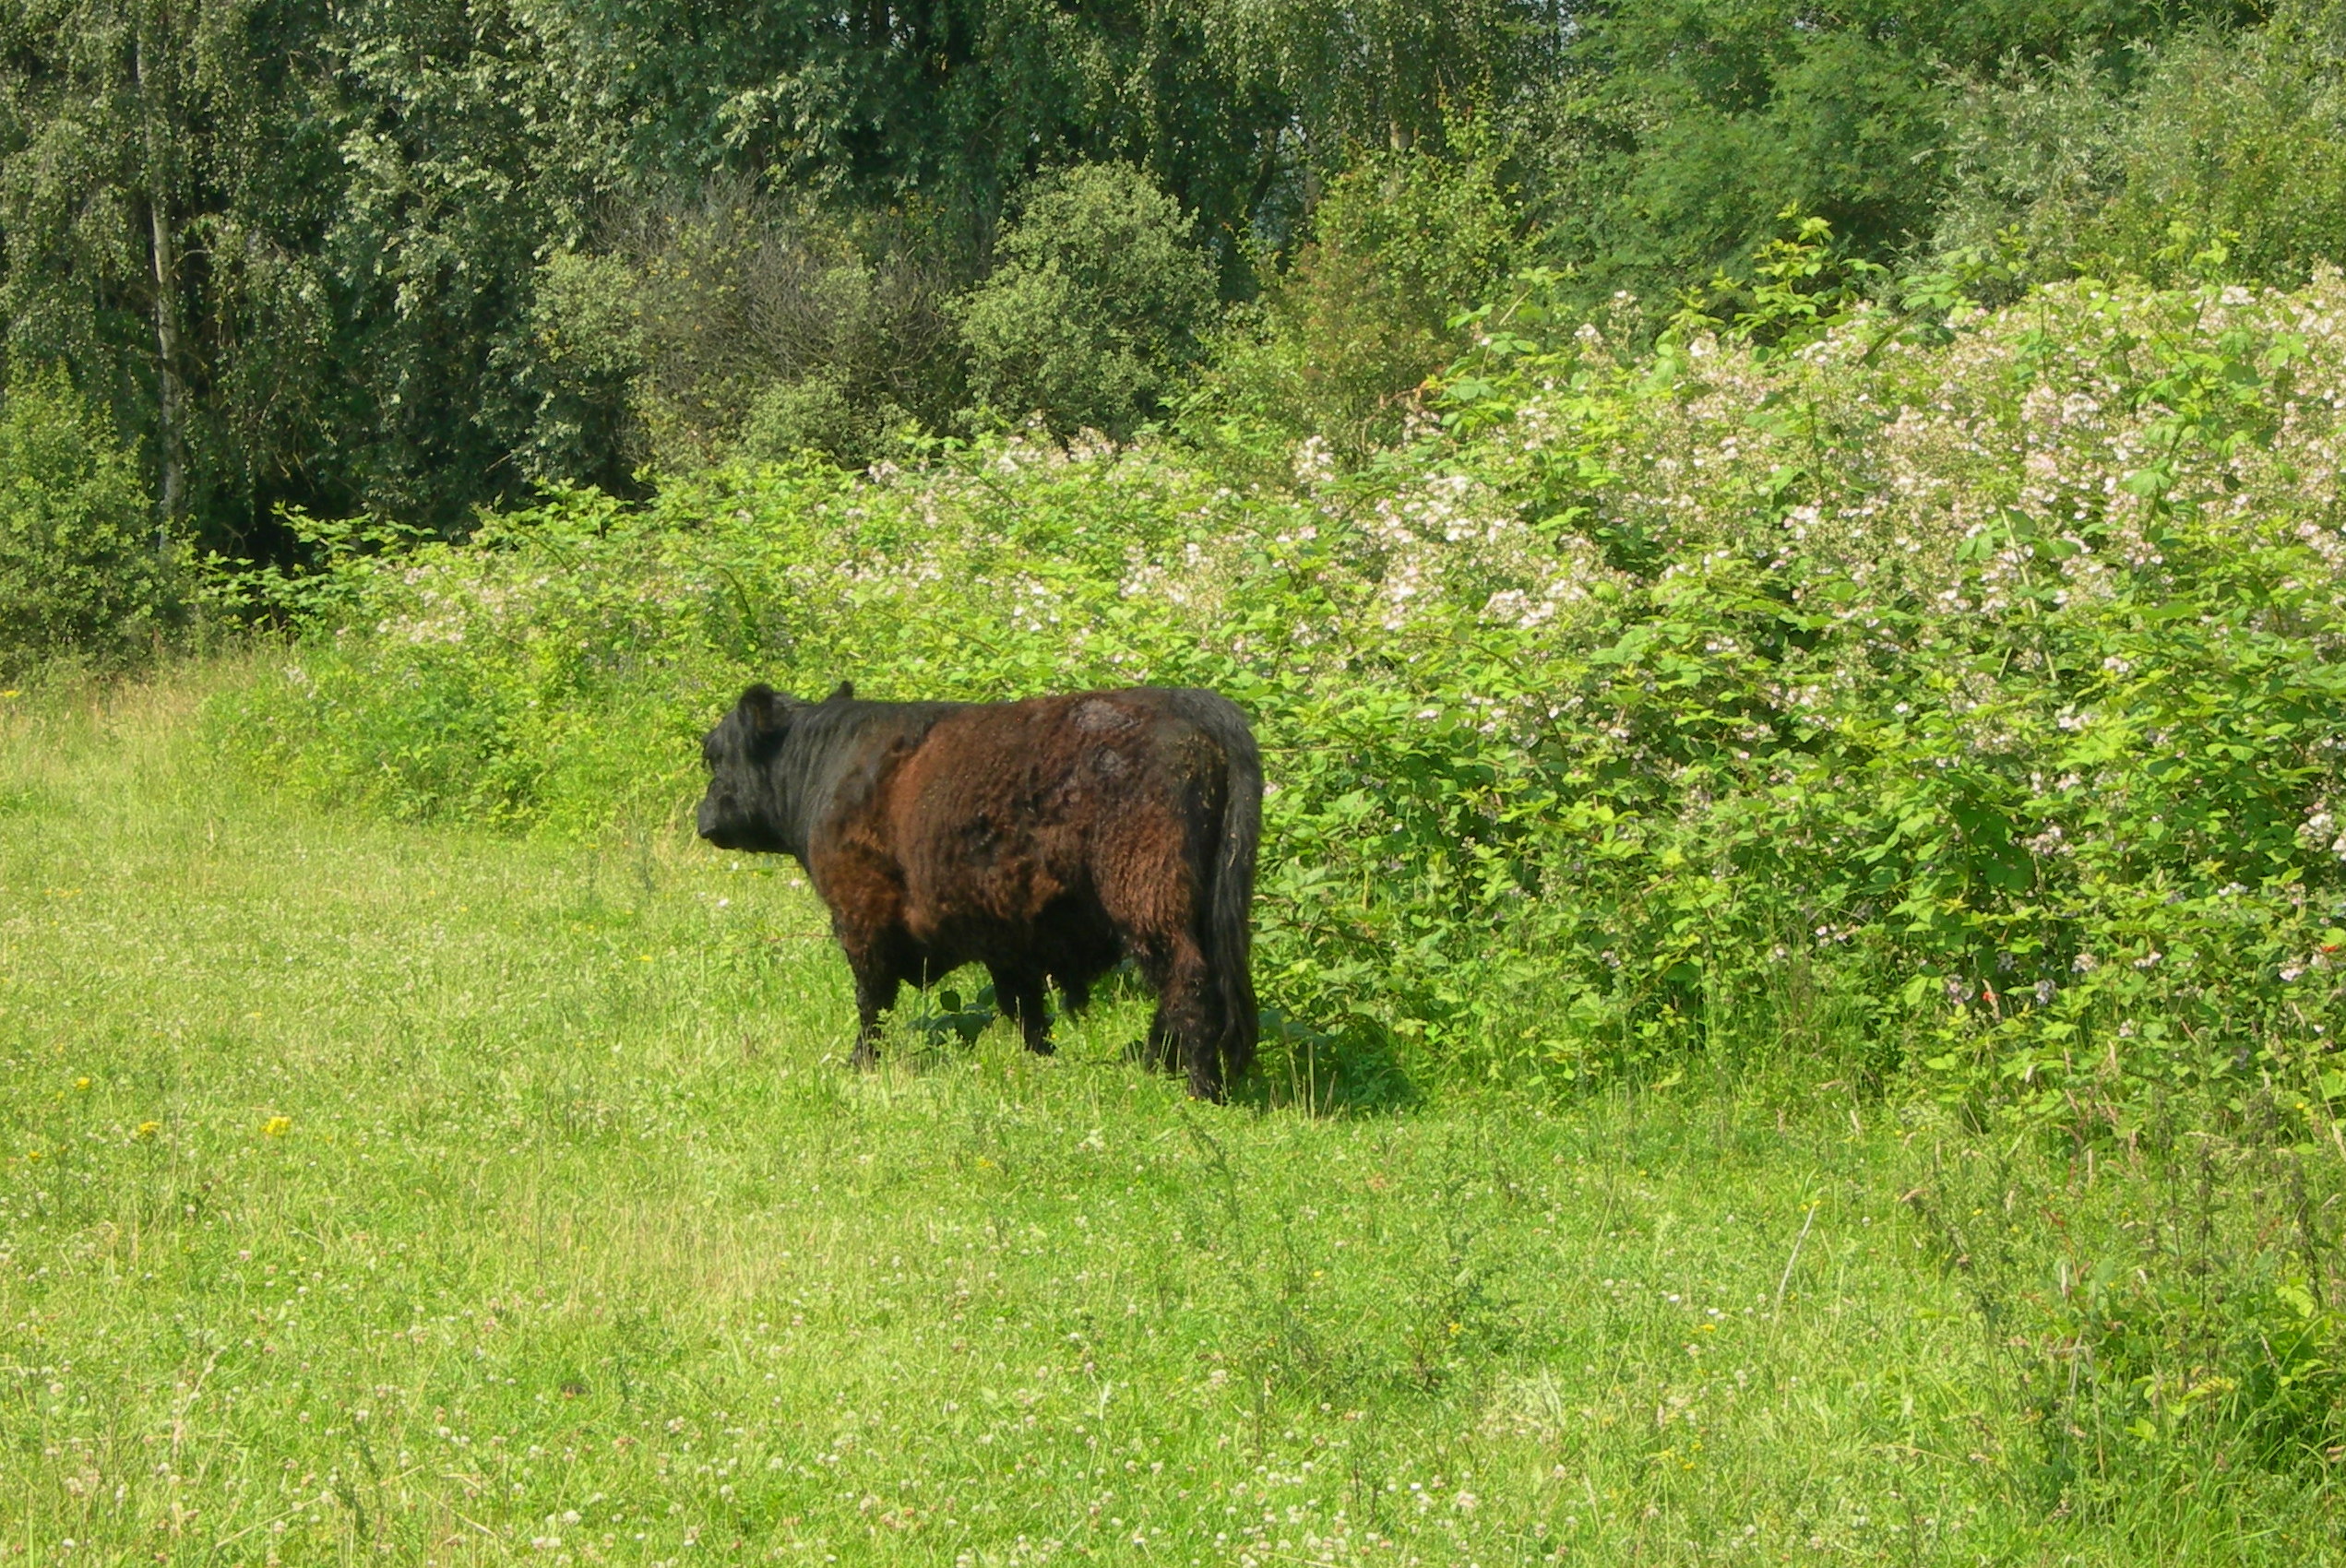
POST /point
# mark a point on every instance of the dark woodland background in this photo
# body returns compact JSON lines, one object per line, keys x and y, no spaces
{"x":410,"y":258}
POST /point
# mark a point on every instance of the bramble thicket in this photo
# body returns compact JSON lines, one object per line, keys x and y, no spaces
{"x":1958,"y":689}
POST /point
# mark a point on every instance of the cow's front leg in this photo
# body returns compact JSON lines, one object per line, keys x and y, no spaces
{"x":1160,"y":1050}
{"x":876,"y":982}
{"x":1019,"y":993}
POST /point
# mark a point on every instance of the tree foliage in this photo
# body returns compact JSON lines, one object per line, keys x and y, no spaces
{"x":415,"y":258}
{"x":1097,"y":302}
{"x":1347,"y":333}
{"x":779,"y":323}
{"x":2229,"y":143}
{"x":83,"y":571}
{"x":1688,"y":125}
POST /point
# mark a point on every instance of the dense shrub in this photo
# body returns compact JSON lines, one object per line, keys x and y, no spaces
{"x":586,"y":333}
{"x":1688,"y":125}
{"x":1962,"y":691}
{"x":1346,"y":334}
{"x":762,"y":327}
{"x":84,"y":575}
{"x":1097,"y":298}
{"x":2232,"y":137}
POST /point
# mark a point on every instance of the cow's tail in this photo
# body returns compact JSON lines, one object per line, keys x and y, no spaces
{"x":1230,"y":900}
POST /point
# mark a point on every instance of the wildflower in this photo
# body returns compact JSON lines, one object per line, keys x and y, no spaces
{"x":148,"y":1129}
{"x":276,"y":1126}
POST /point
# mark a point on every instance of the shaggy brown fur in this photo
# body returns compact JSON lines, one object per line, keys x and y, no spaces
{"x":1044,"y":839}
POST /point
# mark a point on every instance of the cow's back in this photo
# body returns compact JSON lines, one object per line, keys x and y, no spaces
{"x":1004,"y":812}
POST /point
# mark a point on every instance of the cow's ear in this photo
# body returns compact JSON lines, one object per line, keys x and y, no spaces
{"x":765,"y":707}
{"x":846,"y":692}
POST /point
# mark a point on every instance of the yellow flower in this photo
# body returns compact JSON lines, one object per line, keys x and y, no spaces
{"x":275,"y":1126}
{"x":10,"y":694}
{"x":149,"y":1129}
{"x":81,"y":1083}
{"x":32,"y":1154}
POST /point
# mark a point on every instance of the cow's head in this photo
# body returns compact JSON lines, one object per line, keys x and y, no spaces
{"x":749,"y":804}
{"x":745,"y":807}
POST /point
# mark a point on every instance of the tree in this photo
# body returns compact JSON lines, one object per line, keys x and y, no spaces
{"x":1345,"y":334}
{"x":1683,"y":126}
{"x":135,"y":136}
{"x":1098,"y":300}
{"x":82,"y":571}
{"x":1386,"y":74}
{"x":2232,"y":141}
{"x":460,"y":174}
{"x":938,"y":109}
{"x":770,"y":325}
{"x":294,"y":245}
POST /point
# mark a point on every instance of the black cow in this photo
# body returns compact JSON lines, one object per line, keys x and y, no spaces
{"x":1045,"y":840}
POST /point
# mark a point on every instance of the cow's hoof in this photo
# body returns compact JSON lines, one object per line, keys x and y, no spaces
{"x":864,"y":1058}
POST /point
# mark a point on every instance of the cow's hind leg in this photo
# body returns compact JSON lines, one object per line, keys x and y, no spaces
{"x":1020,"y":995}
{"x":1185,"y":1027}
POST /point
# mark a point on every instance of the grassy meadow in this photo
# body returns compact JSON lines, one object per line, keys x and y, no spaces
{"x":398,"y":1193}
{"x":1789,"y":570}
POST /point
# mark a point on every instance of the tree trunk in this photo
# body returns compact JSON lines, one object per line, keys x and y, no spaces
{"x":1396,"y":132}
{"x":163,"y":242}
{"x":172,"y":419}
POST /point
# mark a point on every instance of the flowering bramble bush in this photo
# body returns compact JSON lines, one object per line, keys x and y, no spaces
{"x":1964,"y":685}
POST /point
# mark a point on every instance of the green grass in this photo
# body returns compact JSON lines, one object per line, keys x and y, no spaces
{"x":374,"y":1194}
